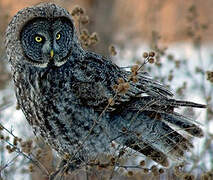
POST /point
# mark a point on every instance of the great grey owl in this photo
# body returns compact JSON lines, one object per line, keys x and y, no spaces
{"x":64,"y":92}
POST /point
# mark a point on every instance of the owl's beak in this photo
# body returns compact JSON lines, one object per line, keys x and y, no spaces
{"x":51,"y":53}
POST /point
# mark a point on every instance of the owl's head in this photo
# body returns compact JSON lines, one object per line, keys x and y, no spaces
{"x":41,"y":35}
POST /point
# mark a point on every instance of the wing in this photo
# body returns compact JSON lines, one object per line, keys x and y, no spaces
{"x":95,"y":77}
{"x":147,"y":98}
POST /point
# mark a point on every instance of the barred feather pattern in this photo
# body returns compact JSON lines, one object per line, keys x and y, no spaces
{"x":68,"y":105}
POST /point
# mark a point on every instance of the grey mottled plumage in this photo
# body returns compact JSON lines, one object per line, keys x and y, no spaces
{"x":63,"y":93}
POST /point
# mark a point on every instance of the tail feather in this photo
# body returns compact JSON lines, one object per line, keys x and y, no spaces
{"x":183,"y":123}
{"x":148,"y":151}
{"x":164,"y":110}
{"x":161,"y":136}
{"x":153,"y":121}
{"x":176,"y":103}
{"x":164,"y":104}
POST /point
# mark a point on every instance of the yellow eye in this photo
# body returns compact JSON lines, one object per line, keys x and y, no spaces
{"x":38,"y":39}
{"x":58,"y":36}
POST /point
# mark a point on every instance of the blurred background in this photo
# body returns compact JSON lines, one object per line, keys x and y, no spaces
{"x":131,"y":20}
{"x":181,"y":34}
